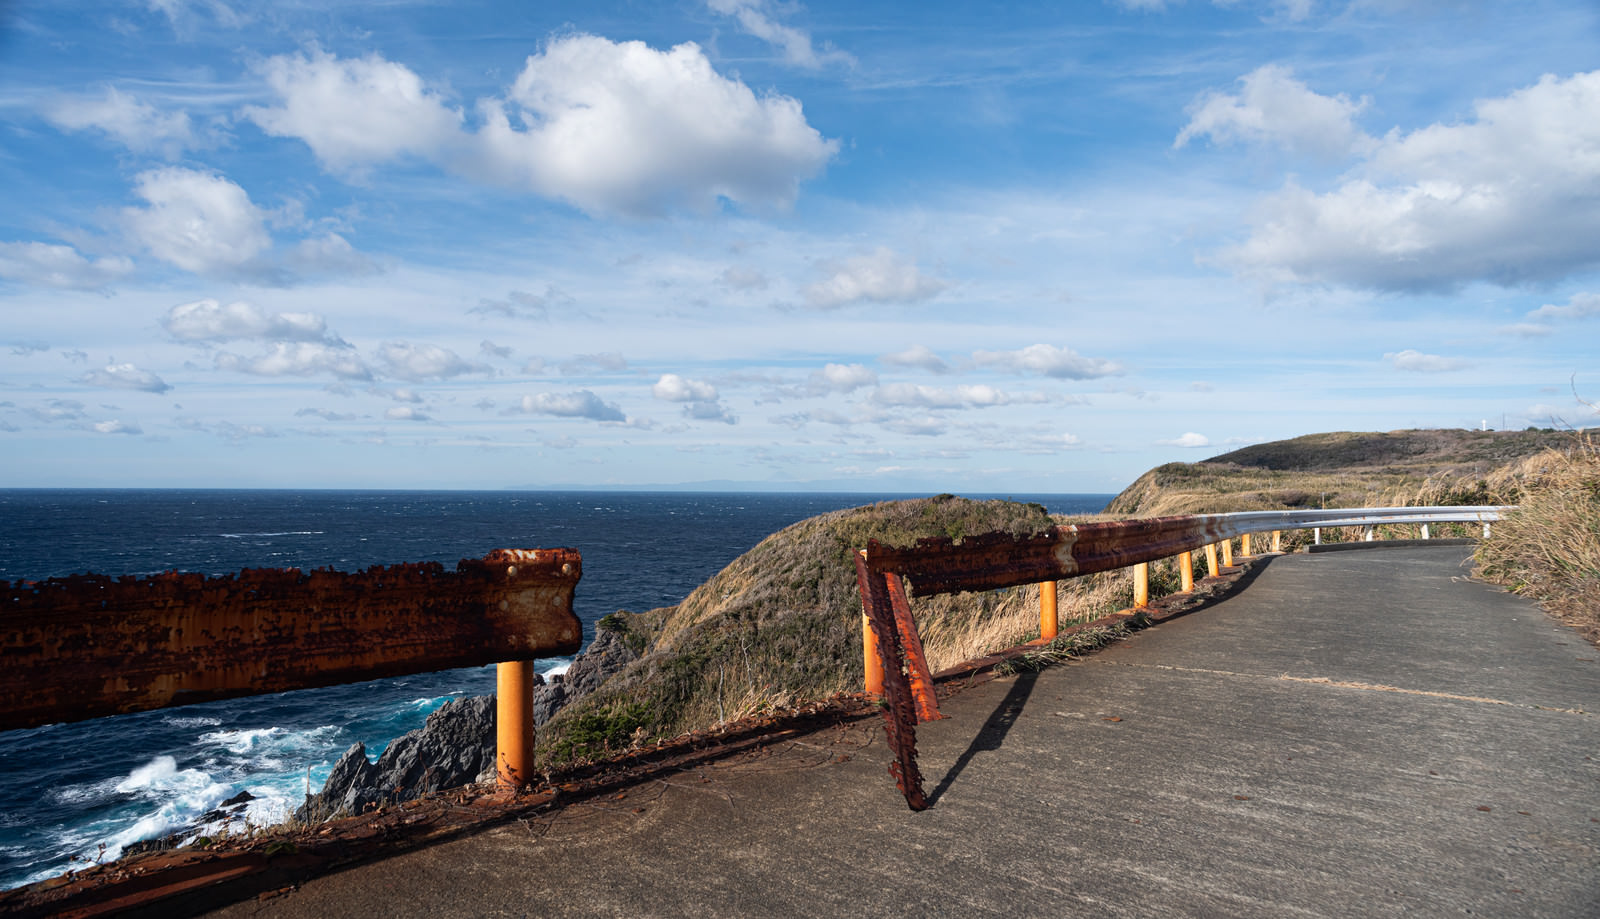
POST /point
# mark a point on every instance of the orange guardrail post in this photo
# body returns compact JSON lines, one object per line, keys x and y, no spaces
{"x":514,"y":723}
{"x":1141,"y":585}
{"x":1227,"y":553}
{"x":1186,"y":571}
{"x":871,"y":663}
{"x":1049,"y":626}
{"x":1244,"y":545}
{"x":1277,"y":541}
{"x":870,"y":660}
{"x":1211,"y":560}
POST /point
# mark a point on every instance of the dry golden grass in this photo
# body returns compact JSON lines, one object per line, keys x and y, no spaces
{"x":962,"y":627}
{"x":1549,"y":547}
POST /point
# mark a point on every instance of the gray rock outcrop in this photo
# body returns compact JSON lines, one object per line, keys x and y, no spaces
{"x":606,"y":656}
{"x":456,"y":746}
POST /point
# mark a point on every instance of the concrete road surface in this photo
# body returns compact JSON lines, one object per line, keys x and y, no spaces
{"x":1361,"y":733}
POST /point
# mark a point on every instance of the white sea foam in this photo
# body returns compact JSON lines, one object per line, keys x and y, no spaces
{"x":281,"y":533}
{"x":178,"y":796}
{"x":191,"y":721}
{"x":86,"y":792}
{"x":154,"y":774}
{"x":268,"y":742}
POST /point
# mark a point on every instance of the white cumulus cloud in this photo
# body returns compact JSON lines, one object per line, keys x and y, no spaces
{"x":884,"y":276}
{"x":611,"y":127}
{"x":920,"y":356}
{"x":299,"y":358}
{"x":1189,"y":439}
{"x":1578,"y":306}
{"x":1050,"y":361}
{"x":1423,"y":363}
{"x":354,"y":113}
{"x":674,"y":388}
{"x":579,"y":404}
{"x":709,"y":411}
{"x":59,"y":266}
{"x":126,"y":376}
{"x":210,"y":320}
{"x":840,"y":378}
{"x":1273,"y":107}
{"x":198,"y":221}
{"x":622,"y":127}
{"x":134,"y":124}
{"x":407,"y":361}
{"x":1510,"y":197}
{"x":976,"y":396}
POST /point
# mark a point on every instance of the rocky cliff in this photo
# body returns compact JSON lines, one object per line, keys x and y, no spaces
{"x":456,"y":745}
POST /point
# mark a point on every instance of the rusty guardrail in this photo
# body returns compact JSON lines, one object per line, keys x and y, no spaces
{"x":90,"y":645}
{"x":892,"y":650}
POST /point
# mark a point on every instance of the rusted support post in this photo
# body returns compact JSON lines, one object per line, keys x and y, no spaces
{"x":1186,"y":571}
{"x":1227,"y":553}
{"x":1244,"y":545}
{"x":900,"y":710}
{"x":1049,"y":626}
{"x":1141,"y":585}
{"x":514,"y":723}
{"x":1277,"y":541}
{"x":1211,"y":560}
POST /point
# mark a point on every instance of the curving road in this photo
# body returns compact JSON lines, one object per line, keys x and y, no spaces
{"x":1362,"y":733}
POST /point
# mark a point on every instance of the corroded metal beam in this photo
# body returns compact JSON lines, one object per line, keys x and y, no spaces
{"x":994,"y":560}
{"x":91,"y":645}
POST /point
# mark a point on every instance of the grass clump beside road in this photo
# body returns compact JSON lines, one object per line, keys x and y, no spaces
{"x":1548,"y":549}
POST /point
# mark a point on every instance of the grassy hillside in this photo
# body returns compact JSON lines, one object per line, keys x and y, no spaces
{"x":782,"y":624}
{"x":1342,"y":469}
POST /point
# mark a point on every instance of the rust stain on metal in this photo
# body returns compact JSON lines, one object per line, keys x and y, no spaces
{"x":994,"y":560}
{"x":900,"y":715}
{"x":91,"y":645}
{"x":921,"y":679}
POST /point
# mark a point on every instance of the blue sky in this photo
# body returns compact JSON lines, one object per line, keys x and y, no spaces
{"x":866,"y":247}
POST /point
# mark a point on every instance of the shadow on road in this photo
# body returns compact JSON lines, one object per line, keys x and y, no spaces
{"x":993,"y":733}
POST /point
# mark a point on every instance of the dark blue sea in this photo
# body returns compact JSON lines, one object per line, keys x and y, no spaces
{"x":72,"y":794}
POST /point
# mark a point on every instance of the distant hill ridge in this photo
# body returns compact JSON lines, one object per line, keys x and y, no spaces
{"x":1343,"y":469}
{"x":1434,"y":449}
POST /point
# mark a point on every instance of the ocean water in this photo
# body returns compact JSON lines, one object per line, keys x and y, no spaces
{"x":73,"y":794}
